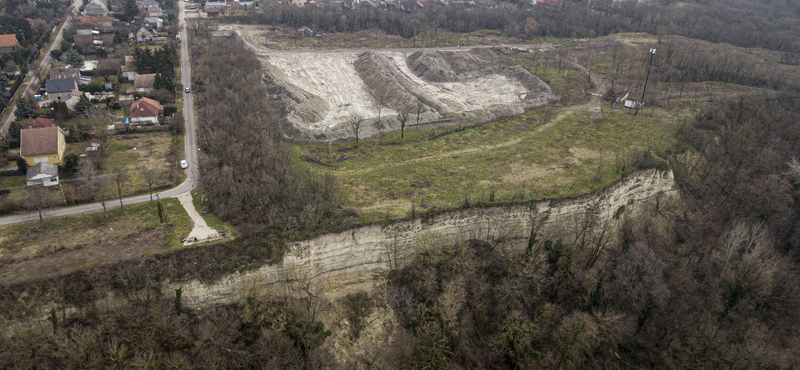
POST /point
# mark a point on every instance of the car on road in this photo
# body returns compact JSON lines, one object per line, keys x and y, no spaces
{"x":187,"y":90}
{"x":184,"y":164}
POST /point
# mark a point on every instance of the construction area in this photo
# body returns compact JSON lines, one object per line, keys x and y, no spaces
{"x":319,"y":92}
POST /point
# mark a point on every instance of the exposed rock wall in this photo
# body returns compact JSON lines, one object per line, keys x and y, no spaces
{"x":337,"y":261}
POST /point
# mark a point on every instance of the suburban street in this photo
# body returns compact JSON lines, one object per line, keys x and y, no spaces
{"x":190,"y":147}
{"x":45,"y":59}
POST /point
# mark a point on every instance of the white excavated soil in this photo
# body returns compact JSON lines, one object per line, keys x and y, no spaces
{"x":318,"y":90}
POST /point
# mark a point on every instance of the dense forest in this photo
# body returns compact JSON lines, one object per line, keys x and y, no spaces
{"x":770,"y":25}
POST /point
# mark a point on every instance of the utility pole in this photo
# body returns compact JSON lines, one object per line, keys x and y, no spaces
{"x":649,"y":64}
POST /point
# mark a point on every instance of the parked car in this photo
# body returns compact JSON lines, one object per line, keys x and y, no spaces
{"x":184,"y":164}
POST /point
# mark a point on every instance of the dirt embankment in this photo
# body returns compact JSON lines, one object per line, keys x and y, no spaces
{"x":316,"y":93}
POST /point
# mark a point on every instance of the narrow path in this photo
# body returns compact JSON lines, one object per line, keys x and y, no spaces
{"x":201,"y":232}
{"x":481,"y":148}
{"x":595,"y":104}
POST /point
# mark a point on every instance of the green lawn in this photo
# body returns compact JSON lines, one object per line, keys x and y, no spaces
{"x":13,"y":181}
{"x":540,"y":154}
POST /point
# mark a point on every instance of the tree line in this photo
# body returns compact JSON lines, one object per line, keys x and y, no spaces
{"x":246,"y":169}
{"x":769,"y":25}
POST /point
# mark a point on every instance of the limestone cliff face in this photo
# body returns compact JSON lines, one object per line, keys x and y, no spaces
{"x":334,"y":262}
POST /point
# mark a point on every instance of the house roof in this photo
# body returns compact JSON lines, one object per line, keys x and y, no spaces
{"x":152,"y":102}
{"x":38,"y":123}
{"x":98,"y":4}
{"x":143,"y":29}
{"x":144,"y":110}
{"x":59,"y":85}
{"x":83,"y":39}
{"x":212,"y":10}
{"x":144,"y":81}
{"x":549,"y":2}
{"x":38,"y":141}
{"x":42,"y":170}
{"x":61,"y":73}
{"x":96,"y":18}
{"x":7,"y":41}
{"x":235,"y":5}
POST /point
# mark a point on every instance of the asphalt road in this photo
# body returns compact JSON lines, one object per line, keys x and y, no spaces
{"x":190,"y":147}
{"x":34,"y":83}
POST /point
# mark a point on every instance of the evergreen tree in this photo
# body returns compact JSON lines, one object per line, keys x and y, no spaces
{"x":130,"y":9}
{"x":83,"y":106}
{"x":73,"y":59}
{"x":119,"y":38}
{"x":22,"y":165}
{"x":142,"y":60}
{"x":25,"y":109}
{"x":163,"y":83}
{"x":60,"y":111}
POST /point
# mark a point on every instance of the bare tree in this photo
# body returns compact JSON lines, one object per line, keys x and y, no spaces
{"x":120,"y":177}
{"x":379,"y":99}
{"x":150,"y":175}
{"x":98,"y":121}
{"x":38,"y":199}
{"x":402,"y":118}
{"x":106,"y":68}
{"x":355,"y":120}
{"x":94,"y":186}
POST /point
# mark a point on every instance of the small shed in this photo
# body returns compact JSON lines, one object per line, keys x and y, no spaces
{"x":43,"y":173}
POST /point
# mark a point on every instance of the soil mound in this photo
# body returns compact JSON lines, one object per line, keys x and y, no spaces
{"x":454,"y":66}
{"x":431,"y":66}
{"x":384,"y":81}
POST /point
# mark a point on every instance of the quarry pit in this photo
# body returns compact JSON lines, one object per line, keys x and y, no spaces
{"x":318,"y":92}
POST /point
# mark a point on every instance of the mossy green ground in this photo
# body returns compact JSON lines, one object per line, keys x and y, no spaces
{"x":543,"y":153}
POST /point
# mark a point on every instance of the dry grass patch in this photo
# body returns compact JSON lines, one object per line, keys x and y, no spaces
{"x":542,"y":153}
{"x":35,"y":250}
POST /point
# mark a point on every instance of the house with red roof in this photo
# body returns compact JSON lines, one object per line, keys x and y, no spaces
{"x":83,"y":39}
{"x":8,"y":42}
{"x":38,"y":123}
{"x":152,"y":102}
{"x":144,"y":113}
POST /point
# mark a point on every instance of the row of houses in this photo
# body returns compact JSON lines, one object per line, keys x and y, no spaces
{"x":227,"y":9}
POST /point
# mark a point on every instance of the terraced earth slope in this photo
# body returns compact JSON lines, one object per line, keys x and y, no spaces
{"x":318,"y":91}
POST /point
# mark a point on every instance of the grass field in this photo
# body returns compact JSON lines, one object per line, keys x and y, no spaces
{"x":540,"y":154}
{"x":60,"y":245}
{"x":134,"y":151}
